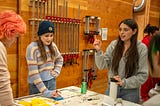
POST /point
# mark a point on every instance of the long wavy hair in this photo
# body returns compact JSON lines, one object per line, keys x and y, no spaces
{"x":43,"y":51}
{"x":153,"y":48}
{"x":131,"y":55}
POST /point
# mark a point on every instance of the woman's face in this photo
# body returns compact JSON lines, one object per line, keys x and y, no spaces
{"x":126,"y":32}
{"x":47,"y":38}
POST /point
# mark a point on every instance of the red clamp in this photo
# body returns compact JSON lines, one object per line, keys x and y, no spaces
{"x":90,"y":78}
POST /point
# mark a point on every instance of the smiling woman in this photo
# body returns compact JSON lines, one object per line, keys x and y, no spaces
{"x":126,"y":60}
{"x":44,"y":62}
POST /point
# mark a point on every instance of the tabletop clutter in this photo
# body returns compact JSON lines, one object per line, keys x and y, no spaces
{"x":73,"y":96}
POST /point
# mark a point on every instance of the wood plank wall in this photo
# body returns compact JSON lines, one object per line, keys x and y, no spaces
{"x":12,"y":51}
{"x":72,"y":74}
{"x":111,"y":13}
{"x":150,"y":14}
{"x":154,"y":13}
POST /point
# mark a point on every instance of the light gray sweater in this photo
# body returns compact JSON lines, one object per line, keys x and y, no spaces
{"x":6,"y":96}
{"x":103,"y":60}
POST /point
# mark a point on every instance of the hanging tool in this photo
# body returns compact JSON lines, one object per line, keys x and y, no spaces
{"x":33,"y":19}
{"x":69,"y":40}
{"x":94,"y":68}
{"x":44,"y":8}
{"x":66,"y":29}
{"x":47,"y":8}
{"x":97,"y":25}
{"x":56,"y":23}
{"x":54,"y":3}
{"x":38,"y":10}
{"x":41,"y":10}
{"x":92,"y":27}
{"x":89,"y":72}
{"x":90,"y":75}
{"x":85,"y":70}
{"x":73,"y":37}
{"x":86,"y":30}
{"x":77,"y":22}
{"x":60,"y":29}
{"x":51,"y":7}
{"x":63,"y":28}
{"x":67,"y":35}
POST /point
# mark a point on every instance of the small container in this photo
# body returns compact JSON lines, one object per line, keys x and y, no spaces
{"x":113,"y":90}
{"x":84,"y":87}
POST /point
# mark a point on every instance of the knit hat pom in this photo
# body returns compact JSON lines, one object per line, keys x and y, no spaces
{"x":45,"y":27}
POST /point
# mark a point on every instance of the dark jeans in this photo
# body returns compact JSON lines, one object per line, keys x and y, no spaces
{"x":50,"y":84}
{"x":131,"y":95}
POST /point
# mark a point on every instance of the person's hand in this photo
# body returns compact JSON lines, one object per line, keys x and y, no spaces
{"x":97,"y":43}
{"x":56,"y":93}
{"x":118,"y":79}
{"x":53,"y":72}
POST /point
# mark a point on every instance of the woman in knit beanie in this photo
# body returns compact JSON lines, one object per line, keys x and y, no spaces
{"x":44,"y":62}
{"x":11,"y":27}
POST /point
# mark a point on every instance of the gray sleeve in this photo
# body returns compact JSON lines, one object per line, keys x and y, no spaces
{"x":142,"y":72}
{"x":104,"y":60}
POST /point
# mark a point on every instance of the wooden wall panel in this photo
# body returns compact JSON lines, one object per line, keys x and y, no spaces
{"x":142,"y":17}
{"x":12,"y":51}
{"x":111,"y":13}
{"x":150,"y":14}
{"x":12,"y":66}
{"x":154,"y":13}
{"x":22,"y":65}
{"x":70,"y":74}
{"x":8,"y":5}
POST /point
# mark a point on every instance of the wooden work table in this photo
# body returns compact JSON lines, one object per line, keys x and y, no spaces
{"x":73,"y":97}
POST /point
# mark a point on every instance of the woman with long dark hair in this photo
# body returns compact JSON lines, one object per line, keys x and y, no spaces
{"x":126,"y":59}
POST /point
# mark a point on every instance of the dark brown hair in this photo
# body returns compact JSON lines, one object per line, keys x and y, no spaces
{"x":43,"y":51}
{"x":131,"y":55}
{"x":150,"y":29}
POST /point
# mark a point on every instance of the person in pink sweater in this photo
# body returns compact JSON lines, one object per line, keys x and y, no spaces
{"x":11,"y":27}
